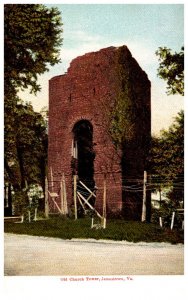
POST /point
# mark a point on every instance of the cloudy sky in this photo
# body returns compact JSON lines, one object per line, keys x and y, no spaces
{"x":142,"y":27}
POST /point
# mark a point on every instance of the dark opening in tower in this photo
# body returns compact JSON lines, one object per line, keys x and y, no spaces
{"x":83,"y":152}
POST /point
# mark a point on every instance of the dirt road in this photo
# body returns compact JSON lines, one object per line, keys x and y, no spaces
{"x":28,"y":255}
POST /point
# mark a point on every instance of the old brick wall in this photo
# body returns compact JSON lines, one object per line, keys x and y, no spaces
{"x":87,"y":92}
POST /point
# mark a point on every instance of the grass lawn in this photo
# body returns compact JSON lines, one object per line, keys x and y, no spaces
{"x":81,"y":228}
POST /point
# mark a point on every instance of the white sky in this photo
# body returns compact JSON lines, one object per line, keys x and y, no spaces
{"x":142,"y":27}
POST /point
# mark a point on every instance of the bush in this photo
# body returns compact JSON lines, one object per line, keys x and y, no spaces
{"x":20,"y":202}
{"x":165,"y":212}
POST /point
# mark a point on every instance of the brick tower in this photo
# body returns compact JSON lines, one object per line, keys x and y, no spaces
{"x":80,"y":106}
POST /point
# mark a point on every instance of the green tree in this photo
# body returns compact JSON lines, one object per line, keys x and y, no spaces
{"x":25,"y":164}
{"x":171,"y":69}
{"x":32,"y":40}
{"x":167,"y":158}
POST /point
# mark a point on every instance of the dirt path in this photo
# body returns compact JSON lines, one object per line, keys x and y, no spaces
{"x":28,"y":255}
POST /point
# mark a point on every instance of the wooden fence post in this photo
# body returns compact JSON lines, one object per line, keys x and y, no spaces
{"x":65,"y":196}
{"x":75,"y":196}
{"x":52,"y":179}
{"x":46,"y":199}
{"x":104,"y":204}
{"x":52,"y":184}
{"x":172,"y":220}
{"x":62,"y":197}
{"x":29,"y":216}
{"x":35,"y":215}
{"x":92,"y":222}
{"x":144,"y":198}
{"x":182,"y":225}
{"x":160,"y":222}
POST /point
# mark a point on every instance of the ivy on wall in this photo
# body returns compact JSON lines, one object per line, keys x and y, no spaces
{"x":122,"y":116}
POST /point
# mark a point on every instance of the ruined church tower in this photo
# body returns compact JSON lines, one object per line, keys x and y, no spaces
{"x":81,"y":104}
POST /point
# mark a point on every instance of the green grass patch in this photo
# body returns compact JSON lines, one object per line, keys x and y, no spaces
{"x":81,"y":228}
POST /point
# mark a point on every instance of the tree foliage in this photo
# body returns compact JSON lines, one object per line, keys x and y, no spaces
{"x":171,"y":69}
{"x":32,"y":36}
{"x":26,"y":148}
{"x":32,"y":40}
{"x":168,"y":149}
{"x":167,"y":157}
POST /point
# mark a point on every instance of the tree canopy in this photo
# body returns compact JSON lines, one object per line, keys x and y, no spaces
{"x":167,"y":156}
{"x":32,"y":37}
{"x":32,"y":40}
{"x":171,"y":69}
{"x":26,"y":150}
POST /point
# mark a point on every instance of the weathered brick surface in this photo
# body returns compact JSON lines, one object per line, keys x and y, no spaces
{"x":86,"y":92}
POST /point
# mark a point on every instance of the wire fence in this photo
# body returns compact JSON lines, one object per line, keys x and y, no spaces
{"x":131,"y":184}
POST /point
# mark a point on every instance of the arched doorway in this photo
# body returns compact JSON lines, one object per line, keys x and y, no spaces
{"x":83,"y":152}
